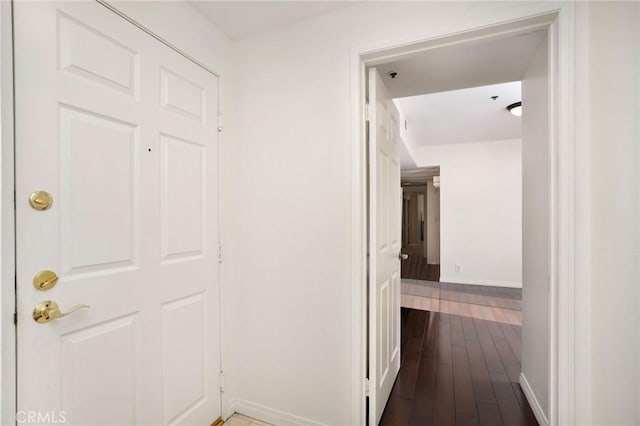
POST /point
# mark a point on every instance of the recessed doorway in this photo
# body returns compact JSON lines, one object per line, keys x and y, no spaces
{"x":421,"y":224}
{"x":538,"y":158}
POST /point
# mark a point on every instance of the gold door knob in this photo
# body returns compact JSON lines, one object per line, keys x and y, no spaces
{"x":40,"y":200}
{"x":45,"y":280}
{"x":48,"y":310}
{"x":403,"y":256}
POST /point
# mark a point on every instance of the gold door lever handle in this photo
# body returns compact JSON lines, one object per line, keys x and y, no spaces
{"x":403,"y":256}
{"x":48,"y":310}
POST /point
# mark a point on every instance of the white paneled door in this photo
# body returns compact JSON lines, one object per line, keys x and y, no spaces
{"x":121,"y":131}
{"x":385,"y":201}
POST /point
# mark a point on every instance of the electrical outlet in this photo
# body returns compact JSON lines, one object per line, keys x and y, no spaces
{"x":457,"y":268}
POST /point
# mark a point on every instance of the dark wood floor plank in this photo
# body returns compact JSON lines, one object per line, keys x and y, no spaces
{"x":469,"y":329}
{"x":507,"y":403}
{"x":457,"y":371}
{"x":406,"y":382}
{"x":444,"y":410}
{"x":509,"y":360}
{"x":457,"y":333}
{"x":444,"y":339}
{"x":425,"y":393}
{"x":494,"y":327}
{"x":396,"y":413}
{"x":433,"y":273}
{"x":482,"y":387}
{"x":489,"y":414}
{"x":462,"y":383}
{"x":405,"y":330}
{"x":491,"y":357}
{"x":416,"y":267}
{"x":464,"y":420}
{"x":524,"y":404}
{"x":430,"y":341}
{"x":512,"y":334}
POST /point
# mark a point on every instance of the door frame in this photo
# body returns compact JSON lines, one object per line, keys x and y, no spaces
{"x":7,"y":221}
{"x":420,"y":189}
{"x":560,"y":22}
{"x":8,"y":279}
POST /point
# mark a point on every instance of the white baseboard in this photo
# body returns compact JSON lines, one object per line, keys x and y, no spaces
{"x":471,"y":281}
{"x":266,"y":414}
{"x":533,"y":401}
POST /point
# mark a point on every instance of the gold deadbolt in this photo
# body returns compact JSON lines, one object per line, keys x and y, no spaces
{"x":41,"y":200}
{"x":45,"y":280}
{"x":48,"y":310}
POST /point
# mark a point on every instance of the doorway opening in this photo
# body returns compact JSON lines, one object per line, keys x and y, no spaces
{"x":540,"y":247}
{"x":421,"y":224}
{"x":477,"y":143}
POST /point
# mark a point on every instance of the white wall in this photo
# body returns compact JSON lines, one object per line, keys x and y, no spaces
{"x":535,"y":226}
{"x":614,"y":142}
{"x":292,"y":157}
{"x":408,"y":146}
{"x":433,"y":225}
{"x":293,"y":267}
{"x":480,"y":211}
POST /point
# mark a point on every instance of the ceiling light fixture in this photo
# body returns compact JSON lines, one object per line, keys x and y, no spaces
{"x":515,"y":109}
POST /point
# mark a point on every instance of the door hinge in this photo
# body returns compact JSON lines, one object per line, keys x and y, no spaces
{"x":15,"y":318}
{"x":220,"y":253}
{"x":366,"y":111}
{"x":367,"y":387}
{"x":222,"y":382}
{"x":220,"y":122}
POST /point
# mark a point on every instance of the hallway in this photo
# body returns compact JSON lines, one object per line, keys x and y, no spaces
{"x":416,"y":266}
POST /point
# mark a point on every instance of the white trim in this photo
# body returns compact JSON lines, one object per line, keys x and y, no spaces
{"x":533,"y":401}
{"x":473,"y":281}
{"x":560,"y":23}
{"x":266,"y":414}
{"x":581,"y":401}
{"x":156,"y":36}
{"x":7,"y":223}
{"x":358,"y":243}
{"x":563,"y":219}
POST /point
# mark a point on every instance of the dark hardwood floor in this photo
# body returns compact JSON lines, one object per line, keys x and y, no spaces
{"x":416,"y":266}
{"x":457,"y":371}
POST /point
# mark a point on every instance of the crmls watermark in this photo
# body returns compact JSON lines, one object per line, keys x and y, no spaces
{"x":41,"y":417}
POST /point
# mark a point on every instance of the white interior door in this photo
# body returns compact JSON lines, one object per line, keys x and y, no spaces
{"x":122,"y":132}
{"x":385,"y":202}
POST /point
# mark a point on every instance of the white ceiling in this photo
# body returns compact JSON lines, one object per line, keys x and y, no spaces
{"x":461,"y":66}
{"x":460,"y":116}
{"x":238,"y":19}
